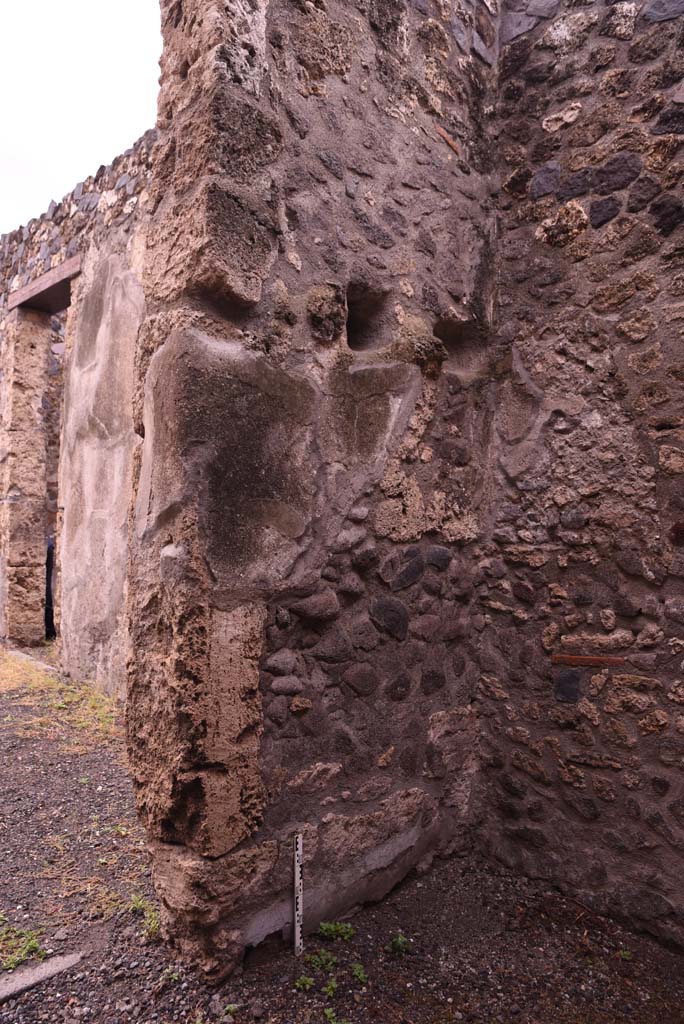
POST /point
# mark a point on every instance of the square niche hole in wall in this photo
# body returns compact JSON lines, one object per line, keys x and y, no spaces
{"x":368,"y":316}
{"x":465,"y":345}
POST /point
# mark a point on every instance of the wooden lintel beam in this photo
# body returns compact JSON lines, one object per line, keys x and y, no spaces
{"x":50,"y":293}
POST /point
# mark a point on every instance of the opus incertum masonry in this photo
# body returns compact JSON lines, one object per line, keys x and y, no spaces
{"x":367,"y":368}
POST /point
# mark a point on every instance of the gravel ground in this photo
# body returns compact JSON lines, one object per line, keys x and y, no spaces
{"x":467,"y":942}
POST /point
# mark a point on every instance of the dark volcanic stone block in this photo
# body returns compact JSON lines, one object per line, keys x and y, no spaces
{"x":287,"y":686}
{"x":391,"y":616}
{"x":677,"y":811}
{"x":529,"y":836}
{"x":663,"y":10}
{"x":660,"y":786}
{"x":334,"y":647}
{"x":282,"y":663}
{"x":577,"y":184}
{"x":438,"y":557}
{"x":603,"y":210}
{"x":399,"y":688}
{"x":583,"y":805}
{"x":667,"y":213}
{"x":321,"y":607}
{"x":618,"y":172}
{"x":516,"y":24}
{"x":543,"y":8}
{"x":670,"y":122}
{"x":642,"y":192}
{"x":546,"y":180}
{"x":567,"y":686}
{"x":361,"y":678}
{"x":511,"y":784}
{"x":433,"y":679}
{"x":409,"y":574}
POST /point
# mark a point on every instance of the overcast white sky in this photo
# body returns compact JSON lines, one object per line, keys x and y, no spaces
{"x":78,"y":85}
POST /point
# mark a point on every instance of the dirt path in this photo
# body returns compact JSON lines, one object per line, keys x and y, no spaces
{"x":464,"y":943}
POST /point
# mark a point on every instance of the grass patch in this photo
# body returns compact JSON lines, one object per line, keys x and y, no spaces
{"x":330,"y":988}
{"x":332,"y":1018}
{"x":17,"y":673}
{"x":359,"y":974}
{"x":337,"y":930}
{"x":17,"y":945}
{"x":322,"y":961}
{"x":144,"y":908}
{"x":399,"y":945}
{"x":79,"y":891}
{"x":60,"y":705}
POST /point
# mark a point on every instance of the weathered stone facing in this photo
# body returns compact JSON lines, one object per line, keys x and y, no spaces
{"x":96,"y":465}
{"x":304,"y":454}
{"x":406,"y":448}
{"x":585,"y":761}
{"x":25,"y":353}
{"x":35,"y":356}
{"x":469,"y":487}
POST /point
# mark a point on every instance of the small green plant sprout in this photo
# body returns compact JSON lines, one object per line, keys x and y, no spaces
{"x":167,"y":976}
{"x":399,"y":945}
{"x":231,"y":1008}
{"x":18,"y":945}
{"x":336,"y":930}
{"x":359,"y":974}
{"x":143,"y":907}
{"x":322,"y":961}
{"x":331,"y":988}
{"x":138,"y":903}
{"x":625,"y":954}
{"x":332,"y":1018}
{"x":303,"y":983}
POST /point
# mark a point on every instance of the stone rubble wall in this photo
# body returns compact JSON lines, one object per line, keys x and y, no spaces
{"x":396,"y":342}
{"x":94,"y":220}
{"x":585,"y":558}
{"x":103,"y":202}
{"x":25,"y":355}
{"x":319,"y":278}
{"x":53,"y":407}
{"x":409,"y":502}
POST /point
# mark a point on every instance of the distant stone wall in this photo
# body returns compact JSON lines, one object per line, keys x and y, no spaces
{"x":37,"y":366}
{"x":106,"y":201}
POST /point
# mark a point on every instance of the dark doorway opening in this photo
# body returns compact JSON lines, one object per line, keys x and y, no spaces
{"x":50,"y":631}
{"x":39,"y":309}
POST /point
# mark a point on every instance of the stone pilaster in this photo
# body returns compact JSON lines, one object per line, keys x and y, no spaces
{"x":24,"y":353}
{"x":317,"y":286}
